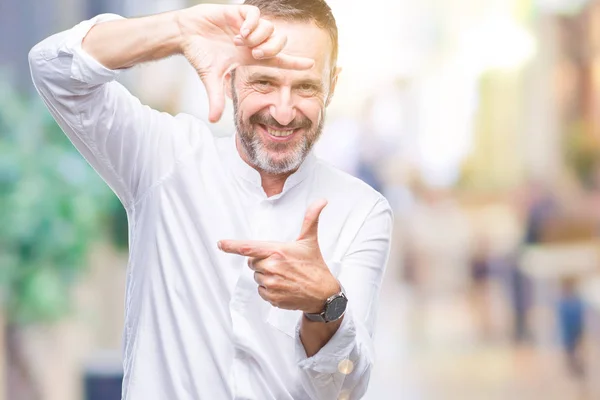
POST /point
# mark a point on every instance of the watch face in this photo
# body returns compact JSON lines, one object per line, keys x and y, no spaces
{"x":336,"y":308}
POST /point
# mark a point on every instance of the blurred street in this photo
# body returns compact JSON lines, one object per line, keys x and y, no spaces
{"x":441,"y":348}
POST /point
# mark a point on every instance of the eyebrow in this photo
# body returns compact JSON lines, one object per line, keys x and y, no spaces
{"x":309,"y":81}
{"x":260,"y":76}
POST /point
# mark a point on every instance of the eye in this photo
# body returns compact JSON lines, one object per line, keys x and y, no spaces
{"x":307,"y":87}
{"x":262,"y":85}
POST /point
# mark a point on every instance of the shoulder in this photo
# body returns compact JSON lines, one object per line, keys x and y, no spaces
{"x":191,"y":129}
{"x":346,"y":189}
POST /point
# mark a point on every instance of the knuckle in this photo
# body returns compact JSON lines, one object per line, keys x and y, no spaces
{"x":271,"y":282}
{"x":278,"y":255}
{"x":268,"y":26}
{"x":269,"y":266}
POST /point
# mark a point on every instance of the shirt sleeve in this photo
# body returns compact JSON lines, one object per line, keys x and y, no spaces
{"x":341,"y":369}
{"x":130,"y":145}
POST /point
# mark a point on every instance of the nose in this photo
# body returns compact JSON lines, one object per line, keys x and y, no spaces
{"x":283,"y":109}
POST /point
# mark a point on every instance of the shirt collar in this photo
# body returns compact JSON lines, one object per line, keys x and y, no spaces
{"x":243,"y":170}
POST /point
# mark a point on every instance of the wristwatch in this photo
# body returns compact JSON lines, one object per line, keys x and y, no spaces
{"x":335,"y":308}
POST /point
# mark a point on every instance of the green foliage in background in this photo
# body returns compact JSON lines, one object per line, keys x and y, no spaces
{"x":52,"y":207}
{"x":582,"y":150}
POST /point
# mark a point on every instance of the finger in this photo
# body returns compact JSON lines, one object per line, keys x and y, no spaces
{"x":270,"y":48}
{"x":259,"y":278}
{"x":285,"y":61}
{"x":249,"y":248}
{"x":213,"y":83}
{"x":310,"y":225}
{"x":267,"y":265}
{"x":263,"y":293}
{"x":262,"y":265}
{"x":238,"y":40}
{"x":263,"y":32}
{"x":251,"y":15}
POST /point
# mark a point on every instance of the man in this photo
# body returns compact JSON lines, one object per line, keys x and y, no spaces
{"x":242,"y":284}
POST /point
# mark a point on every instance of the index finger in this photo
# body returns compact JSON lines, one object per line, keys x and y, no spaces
{"x":249,"y":248}
{"x":251,"y":15}
{"x":286,"y":61}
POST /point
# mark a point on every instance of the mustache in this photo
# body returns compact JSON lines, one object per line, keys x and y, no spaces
{"x":267,"y":119}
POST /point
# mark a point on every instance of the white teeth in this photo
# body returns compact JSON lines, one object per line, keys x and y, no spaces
{"x":277,"y":133}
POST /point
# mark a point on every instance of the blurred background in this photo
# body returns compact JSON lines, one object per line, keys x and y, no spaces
{"x":479,"y":120}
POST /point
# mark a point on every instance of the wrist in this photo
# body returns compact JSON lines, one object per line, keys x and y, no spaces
{"x":332,"y":308}
{"x":331,"y":288}
{"x":328,"y":288}
{"x":181,"y":26}
{"x":188,"y":25}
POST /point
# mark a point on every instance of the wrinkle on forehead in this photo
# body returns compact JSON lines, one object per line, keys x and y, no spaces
{"x":282,"y":76}
{"x":306,"y":39}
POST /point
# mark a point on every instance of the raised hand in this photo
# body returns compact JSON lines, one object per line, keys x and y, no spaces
{"x":293,"y":275}
{"x":219,"y":38}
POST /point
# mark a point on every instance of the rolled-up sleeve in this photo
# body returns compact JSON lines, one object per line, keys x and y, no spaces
{"x":341,"y":369}
{"x":130,"y":145}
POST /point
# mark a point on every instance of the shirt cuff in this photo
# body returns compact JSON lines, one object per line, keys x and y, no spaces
{"x":85,"y":68}
{"x":339,"y":347}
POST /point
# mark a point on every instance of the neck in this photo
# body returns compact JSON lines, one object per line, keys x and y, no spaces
{"x":272,"y":184}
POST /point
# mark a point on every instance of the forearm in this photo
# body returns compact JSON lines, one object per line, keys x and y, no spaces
{"x":315,"y":335}
{"x":128,"y":42}
{"x":341,"y":368}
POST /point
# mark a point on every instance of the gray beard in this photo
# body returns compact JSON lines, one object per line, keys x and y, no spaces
{"x":258,"y":154}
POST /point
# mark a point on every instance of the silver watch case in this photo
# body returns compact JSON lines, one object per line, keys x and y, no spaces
{"x":335,"y":308}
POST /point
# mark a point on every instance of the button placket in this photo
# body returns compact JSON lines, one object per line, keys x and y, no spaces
{"x":244,"y":292}
{"x":262,"y":229}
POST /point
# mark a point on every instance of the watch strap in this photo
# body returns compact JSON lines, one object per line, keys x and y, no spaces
{"x":316,"y":317}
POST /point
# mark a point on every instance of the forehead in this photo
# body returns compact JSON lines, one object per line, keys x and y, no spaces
{"x":304,"y":39}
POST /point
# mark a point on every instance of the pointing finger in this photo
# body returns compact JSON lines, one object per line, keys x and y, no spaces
{"x":249,"y":248}
{"x":286,"y":61}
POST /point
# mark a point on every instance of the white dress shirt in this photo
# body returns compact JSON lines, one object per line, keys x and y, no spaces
{"x":195,"y":326}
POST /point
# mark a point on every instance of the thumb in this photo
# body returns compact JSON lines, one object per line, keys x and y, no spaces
{"x":310,"y":224}
{"x":213,"y":84}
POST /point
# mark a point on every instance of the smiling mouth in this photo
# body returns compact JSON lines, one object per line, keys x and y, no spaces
{"x":279,"y":133}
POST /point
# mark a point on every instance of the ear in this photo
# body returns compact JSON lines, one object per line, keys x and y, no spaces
{"x":227,"y":79}
{"x":334,"y":79}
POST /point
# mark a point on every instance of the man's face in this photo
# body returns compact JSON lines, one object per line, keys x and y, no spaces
{"x":279,"y":113}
